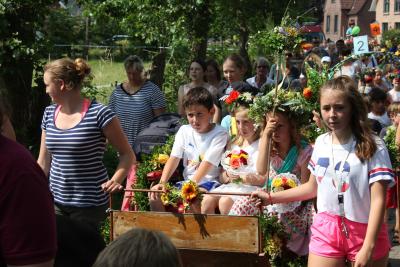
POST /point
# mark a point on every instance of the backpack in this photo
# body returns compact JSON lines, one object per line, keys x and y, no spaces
{"x":156,"y":133}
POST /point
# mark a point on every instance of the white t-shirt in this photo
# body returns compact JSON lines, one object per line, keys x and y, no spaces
{"x":357,"y":176}
{"x":394,"y":95}
{"x":195,"y":147}
{"x":384,"y":119}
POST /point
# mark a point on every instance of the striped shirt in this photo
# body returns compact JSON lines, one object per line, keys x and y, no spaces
{"x":77,"y":170}
{"x":135,"y":111}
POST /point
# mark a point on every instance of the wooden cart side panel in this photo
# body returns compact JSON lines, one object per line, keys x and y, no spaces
{"x":195,"y":231}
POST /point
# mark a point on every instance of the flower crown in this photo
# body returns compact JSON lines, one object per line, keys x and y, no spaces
{"x":237,"y":98}
{"x":292,"y":103}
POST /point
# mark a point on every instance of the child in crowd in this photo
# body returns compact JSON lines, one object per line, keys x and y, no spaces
{"x":200,"y":144}
{"x":394,"y":94}
{"x":377,"y":100}
{"x":289,"y":154}
{"x":234,"y":68}
{"x":196,"y":72}
{"x":350,"y":170}
{"x":247,"y":140}
{"x":229,"y":122}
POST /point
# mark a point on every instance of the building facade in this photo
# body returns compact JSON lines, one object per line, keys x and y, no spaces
{"x":387,"y":13}
{"x":338,"y":14}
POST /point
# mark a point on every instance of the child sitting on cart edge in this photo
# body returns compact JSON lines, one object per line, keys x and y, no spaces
{"x":200,"y":144}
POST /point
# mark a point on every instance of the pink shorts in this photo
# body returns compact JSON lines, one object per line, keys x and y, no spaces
{"x":328,"y":239}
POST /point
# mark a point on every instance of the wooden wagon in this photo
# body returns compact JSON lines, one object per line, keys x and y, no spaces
{"x":203,"y":240}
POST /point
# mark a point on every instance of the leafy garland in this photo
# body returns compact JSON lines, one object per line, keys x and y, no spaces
{"x":390,"y":141}
{"x":151,"y":165}
{"x":275,"y":237}
{"x":289,"y":102}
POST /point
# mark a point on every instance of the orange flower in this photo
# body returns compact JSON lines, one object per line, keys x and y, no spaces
{"x":307,"y":93}
{"x":232,"y":97}
{"x":235,"y":163}
{"x":189,"y":191}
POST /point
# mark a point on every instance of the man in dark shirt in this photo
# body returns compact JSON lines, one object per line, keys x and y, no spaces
{"x":27,"y":219}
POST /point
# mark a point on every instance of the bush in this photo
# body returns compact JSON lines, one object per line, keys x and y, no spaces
{"x":391,"y":37}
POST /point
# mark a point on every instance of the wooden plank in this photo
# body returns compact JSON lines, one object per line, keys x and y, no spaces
{"x":195,"y":231}
{"x":204,"y":258}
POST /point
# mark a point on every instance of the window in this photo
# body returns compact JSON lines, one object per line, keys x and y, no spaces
{"x":333,"y":1}
{"x":328,"y":24}
{"x":386,"y":6}
{"x":385,"y":27}
{"x":397,"y":25}
{"x":397,"y":6}
{"x":336,"y":24}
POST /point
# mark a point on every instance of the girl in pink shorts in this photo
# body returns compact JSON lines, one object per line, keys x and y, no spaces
{"x":350,"y":172}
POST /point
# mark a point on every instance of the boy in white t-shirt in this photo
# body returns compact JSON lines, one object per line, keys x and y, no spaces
{"x":200,"y":145}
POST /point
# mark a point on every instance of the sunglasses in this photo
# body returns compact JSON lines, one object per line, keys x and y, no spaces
{"x":261,"y":67}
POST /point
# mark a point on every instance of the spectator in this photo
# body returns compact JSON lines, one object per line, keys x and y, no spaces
{"x":74,"y":133}
{"x":261,"y":78}
{"x":136,"y":102}
{"x":140,"y":247}
{"x":27,"y":220}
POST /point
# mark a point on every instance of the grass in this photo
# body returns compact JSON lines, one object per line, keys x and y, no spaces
{"x":106,"y":74}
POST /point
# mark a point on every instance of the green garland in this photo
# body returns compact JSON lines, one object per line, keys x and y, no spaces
{"x":390,"y":141}
{"x":293,"y":103}
{"x":148,"y":164}
{"x":275,"y":236}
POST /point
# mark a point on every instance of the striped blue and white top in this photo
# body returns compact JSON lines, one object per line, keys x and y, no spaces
{"x":135,"y":111}
{"x":77,"y":170}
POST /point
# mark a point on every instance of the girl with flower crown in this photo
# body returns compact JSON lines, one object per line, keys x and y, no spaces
{"x":289,"y":154}
{"x":245,"y":147}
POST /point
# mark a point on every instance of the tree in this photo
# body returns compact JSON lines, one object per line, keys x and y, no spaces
{"x":21,"y":47}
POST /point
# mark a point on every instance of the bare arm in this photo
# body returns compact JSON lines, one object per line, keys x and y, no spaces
{"x":118,"y":140}
{"x":44,"y":159}
{"x":181,"y":110}
{"x":265,"y":140}
{"x":203,"y":169}
{"x":302,"y":192}
{"x":375,"y":220}
{"x":398,"y":136}
{"x":169,"y":168}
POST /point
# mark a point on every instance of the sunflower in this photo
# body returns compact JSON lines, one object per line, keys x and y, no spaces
{"x":189,"y":191}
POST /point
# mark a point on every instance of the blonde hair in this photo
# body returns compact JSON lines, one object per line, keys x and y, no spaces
{"x":394,"y":108}
{"x":72,"y":72}
{"x":239,"y":140}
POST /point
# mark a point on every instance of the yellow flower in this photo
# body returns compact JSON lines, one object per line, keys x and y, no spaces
{"x":189,"y":191}
{"x":162,"y":158}
{"x":165,"y":199}
{"x":277,"y":182}
{"x":291,"y":183}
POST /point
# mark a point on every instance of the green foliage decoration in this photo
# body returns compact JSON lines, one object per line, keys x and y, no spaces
{"x":393,"y":149}
{"x":275,"y":238}
{"x":291,"y":103}
{"x":148,"y":164}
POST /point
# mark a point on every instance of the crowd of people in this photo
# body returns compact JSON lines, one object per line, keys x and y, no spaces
{"x":347,"y":169}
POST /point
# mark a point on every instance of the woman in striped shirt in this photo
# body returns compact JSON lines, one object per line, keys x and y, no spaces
{"x":74,"y":133}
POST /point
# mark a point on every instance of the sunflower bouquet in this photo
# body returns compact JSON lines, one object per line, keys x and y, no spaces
{"x":281,"y":182}
{"x":175,"y":199}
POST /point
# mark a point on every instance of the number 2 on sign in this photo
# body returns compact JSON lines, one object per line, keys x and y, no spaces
{"x":360,"y":44}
